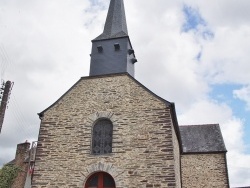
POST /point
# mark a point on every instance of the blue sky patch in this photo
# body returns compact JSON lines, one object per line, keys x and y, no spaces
{"x":195,"y":22}
{"x":198,"y":57}
{"x":193,"y":19}
{"x":99,"y":3}
{"x":224,"y":93}
{"x":207,"y":35}
{"x":94,"y":2}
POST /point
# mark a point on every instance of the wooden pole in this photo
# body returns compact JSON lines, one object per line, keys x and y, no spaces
{"x":4,"y":102}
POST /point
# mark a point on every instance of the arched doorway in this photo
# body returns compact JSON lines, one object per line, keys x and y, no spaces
{"x":100,"y":180}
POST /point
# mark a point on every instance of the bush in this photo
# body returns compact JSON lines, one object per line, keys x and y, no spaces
{"x":7,"y":175}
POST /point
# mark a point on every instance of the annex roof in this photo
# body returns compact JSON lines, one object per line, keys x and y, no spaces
{"x":202,"y":139}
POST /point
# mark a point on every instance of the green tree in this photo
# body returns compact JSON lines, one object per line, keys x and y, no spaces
{"x":7,"y":175}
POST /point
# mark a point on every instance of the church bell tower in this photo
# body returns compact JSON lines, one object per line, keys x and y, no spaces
{"x":112,"y":51}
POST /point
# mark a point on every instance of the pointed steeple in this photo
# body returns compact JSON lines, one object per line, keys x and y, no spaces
{"x":116,"y":25}
{"x":112,"y":51}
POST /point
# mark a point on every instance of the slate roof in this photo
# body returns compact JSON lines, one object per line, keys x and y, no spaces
{"x":202,"y":139}
{"x":116,"y":25}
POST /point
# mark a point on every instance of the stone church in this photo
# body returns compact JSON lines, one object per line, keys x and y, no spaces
{"x":110,"y":131}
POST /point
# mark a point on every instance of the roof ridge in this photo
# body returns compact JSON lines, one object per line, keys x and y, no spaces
{"x":209,"y":124}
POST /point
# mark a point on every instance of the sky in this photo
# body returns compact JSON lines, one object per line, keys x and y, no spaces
{"x":193,"y":53}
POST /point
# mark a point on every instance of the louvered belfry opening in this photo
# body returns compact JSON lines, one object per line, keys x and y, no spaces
{"x":102,"y":137}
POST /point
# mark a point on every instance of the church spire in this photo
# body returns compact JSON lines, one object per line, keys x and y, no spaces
{"x":112,"y":51}
{"x":115,"y":25}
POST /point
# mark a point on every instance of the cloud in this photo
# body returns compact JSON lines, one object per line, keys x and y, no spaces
{"x":213,"y":112}
{"x":169,"y":66}
{"x":44,"y":55}
{"x":193,"y":19}
{"x":165,"y":71}
{"x":49,"y":42}
{"x":225,"y":59}
{"x":223,"y":13}
{"x":8,"y":153}
{"x":244,"y":95}
{"x":238,"y":169}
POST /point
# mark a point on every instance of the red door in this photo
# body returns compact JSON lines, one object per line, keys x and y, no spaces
{"x":100,"y":180}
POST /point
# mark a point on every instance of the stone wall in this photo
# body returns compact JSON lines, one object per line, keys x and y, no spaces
{"x":21,"y":154}
{"x":204,"y":170}
{"x":143,"y":151}
{"x":177,"y":159}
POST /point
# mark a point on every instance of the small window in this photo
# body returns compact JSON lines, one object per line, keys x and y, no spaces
{"x":102,"y":137}
{"x":100,"y":49}
{"x":117,"y":46}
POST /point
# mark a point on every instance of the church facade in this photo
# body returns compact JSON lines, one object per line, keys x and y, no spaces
{"x":110,"y":131}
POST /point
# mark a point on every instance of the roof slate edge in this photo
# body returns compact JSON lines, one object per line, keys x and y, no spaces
{"x":211,"y":124}
{"x":222,"y":137}
{"x":101,"y":76}
{"x":168,"y":104}
{"x":217,"y":125}
{"x":41,"y":113}
{"x":208,"y":152}
{"x":109,"y":38}
{"x":176,"y":126}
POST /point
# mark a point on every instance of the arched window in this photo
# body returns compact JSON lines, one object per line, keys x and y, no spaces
{"x":102,"y":137}
{"x":100,"y":180}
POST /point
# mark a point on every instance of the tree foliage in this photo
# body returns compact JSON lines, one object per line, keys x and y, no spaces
{"x":7,"y":175}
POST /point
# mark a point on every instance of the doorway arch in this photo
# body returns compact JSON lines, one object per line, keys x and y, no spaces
{"x":100,"y":180}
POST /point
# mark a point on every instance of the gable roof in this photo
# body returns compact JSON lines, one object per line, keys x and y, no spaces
{"x":168,"y":104}
{"x":202,"y":139}
{"x":103,"y":76}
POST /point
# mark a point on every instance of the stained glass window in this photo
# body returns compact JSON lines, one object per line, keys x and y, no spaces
{"x":102,"y":137}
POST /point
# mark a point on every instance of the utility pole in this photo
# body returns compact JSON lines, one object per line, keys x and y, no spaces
{"x":5,"y":91}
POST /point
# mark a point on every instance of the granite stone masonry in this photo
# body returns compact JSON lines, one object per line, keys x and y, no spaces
{"x":204,"y":170}
{"x":22,"y":152}
{"x":144,"y":140}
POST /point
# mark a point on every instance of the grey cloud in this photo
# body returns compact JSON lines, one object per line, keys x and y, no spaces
{"x":49,"y":44}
